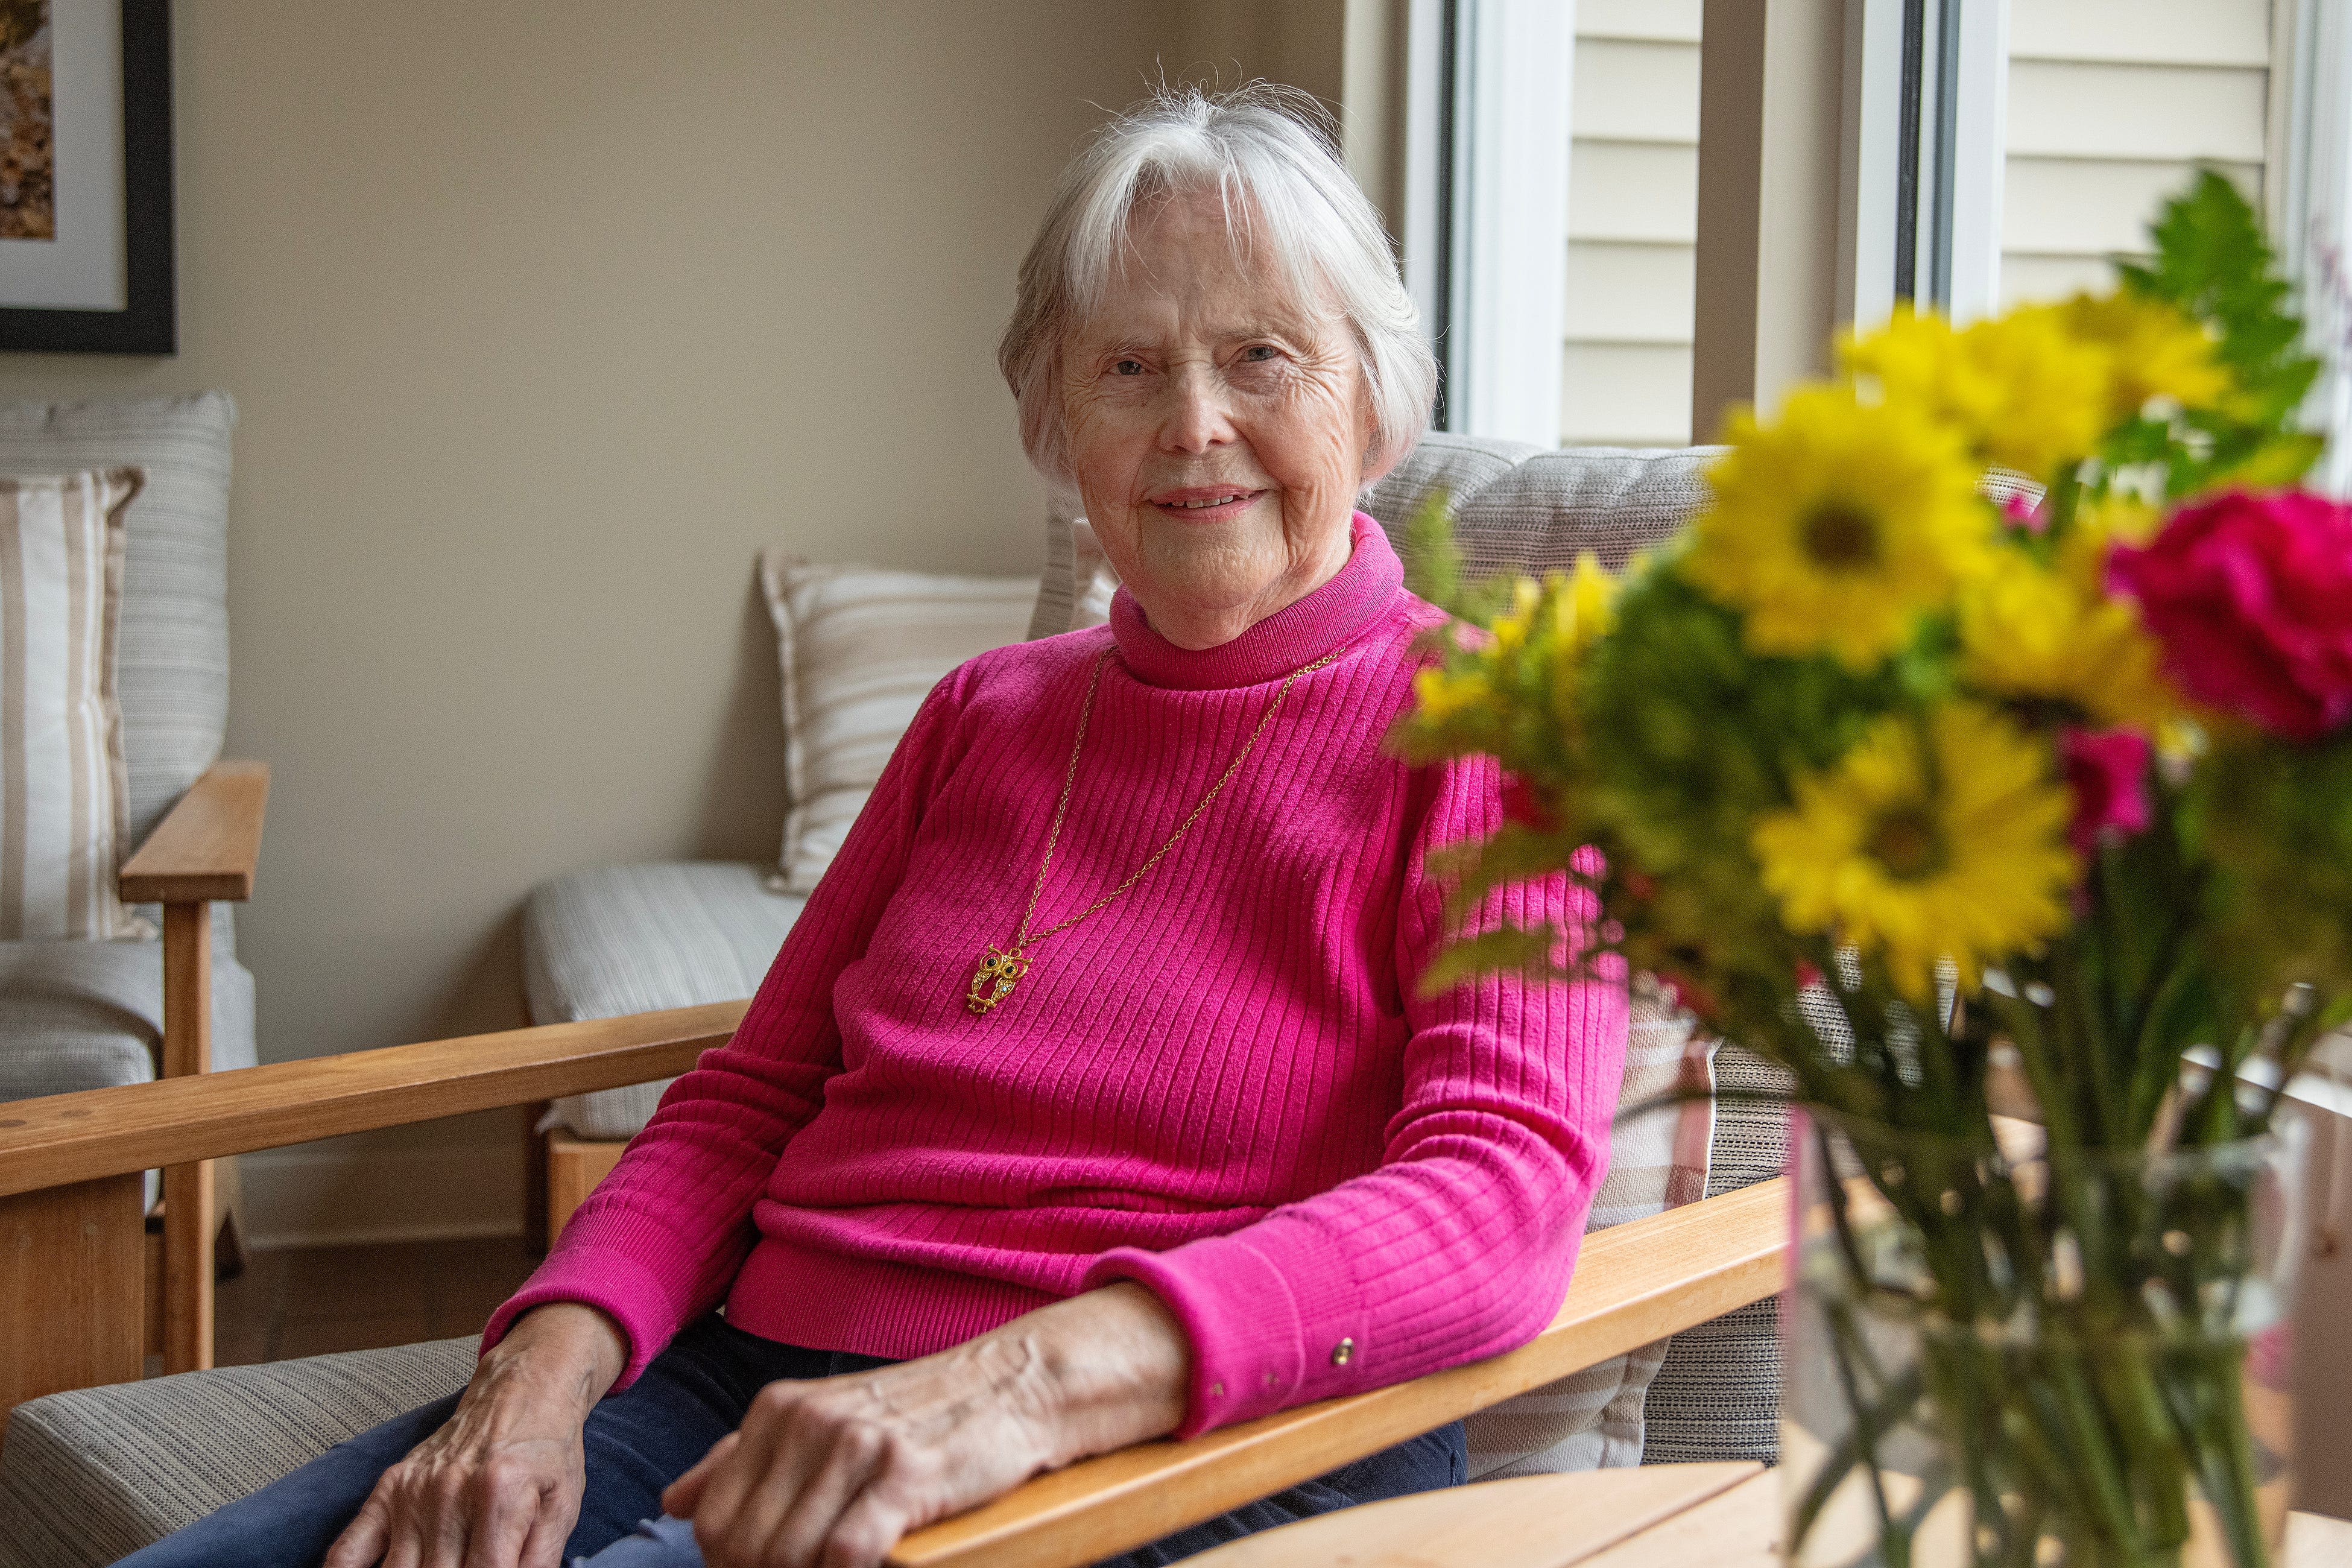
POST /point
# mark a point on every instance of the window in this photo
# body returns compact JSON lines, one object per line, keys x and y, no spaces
{"x":1487,"y":160}
{"x":1991,"y":151}
{"x":1551,"y":194}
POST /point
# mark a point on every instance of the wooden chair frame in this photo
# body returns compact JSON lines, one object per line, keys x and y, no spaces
{"x":70,"y":1231}
{"x":203,"y":849}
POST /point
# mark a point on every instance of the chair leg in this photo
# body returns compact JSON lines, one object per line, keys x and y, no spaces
{"x":188,"y":1190}
{"x":229,"y":1259}
{"x":70,"y":1292}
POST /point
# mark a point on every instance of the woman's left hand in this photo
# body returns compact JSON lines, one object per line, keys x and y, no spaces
{"x":830,"y":1472}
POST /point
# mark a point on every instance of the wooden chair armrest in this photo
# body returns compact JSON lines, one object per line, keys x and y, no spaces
{"x":68,"y":1138}
{"x":205,"y":845}
{"x":1634,"y":1283}
{"x":72,"y":1294}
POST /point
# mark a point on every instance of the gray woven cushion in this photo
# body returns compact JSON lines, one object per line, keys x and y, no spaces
{"x":90,"y":1476}
{"x":88,"y":1014}
{"x":633,"y":939}
{"x":1520,"y":509}
{"x":174,"y":652}
{"x":1460,"y":466}
{"x":1718,"y":1394}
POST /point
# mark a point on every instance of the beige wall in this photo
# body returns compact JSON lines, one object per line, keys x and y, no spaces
{"x":1351,"y":54}
{"x":543,"y":318}
{"x":1227,"y":42}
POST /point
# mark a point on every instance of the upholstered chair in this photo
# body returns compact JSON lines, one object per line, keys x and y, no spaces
{"x":78,"y":1014}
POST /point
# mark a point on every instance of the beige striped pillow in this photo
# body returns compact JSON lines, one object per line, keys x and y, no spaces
{"x":64,"y":794}
{"x":861,"y":648}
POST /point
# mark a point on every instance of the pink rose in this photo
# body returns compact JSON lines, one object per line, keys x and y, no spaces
{"x":2251,"y":598}
{"x":2107,"y":771}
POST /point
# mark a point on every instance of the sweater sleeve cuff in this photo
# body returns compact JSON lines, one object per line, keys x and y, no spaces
{"x":620,"y":1287}
{"x":1238,"y":1313}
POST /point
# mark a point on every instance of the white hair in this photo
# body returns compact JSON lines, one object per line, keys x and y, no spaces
{"x":1269,"y":154}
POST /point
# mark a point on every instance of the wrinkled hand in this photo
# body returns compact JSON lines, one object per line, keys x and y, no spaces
{"x":500,"y":1485}
{"x":829,"y":1473}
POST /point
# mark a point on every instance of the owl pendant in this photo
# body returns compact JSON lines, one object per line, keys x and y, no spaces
{"x":992,"y":981}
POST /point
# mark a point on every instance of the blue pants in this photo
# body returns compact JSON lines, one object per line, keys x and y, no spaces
{"x":639,"y":1441}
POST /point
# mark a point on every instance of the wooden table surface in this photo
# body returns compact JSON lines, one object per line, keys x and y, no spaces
{"x":1658,"y":1516}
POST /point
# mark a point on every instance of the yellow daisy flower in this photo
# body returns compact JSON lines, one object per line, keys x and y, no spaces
{"x":2114,"y":518}
{"x":2023,"y":392}
{"x":1584,"y":603}
{"x":2152,"y":351}
{"x":2032,"y":630}
{"x":1510,"y":629}
{"x":1583,"y":610}
{"x":1442,"y":693}
{"x":1961,"y":856}
{"x":1836,"y":526}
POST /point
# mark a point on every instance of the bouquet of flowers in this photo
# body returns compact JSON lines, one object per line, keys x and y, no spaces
{"x":1985,"y":745}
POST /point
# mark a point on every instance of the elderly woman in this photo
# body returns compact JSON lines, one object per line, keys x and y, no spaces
{"x":1091,"y":1099}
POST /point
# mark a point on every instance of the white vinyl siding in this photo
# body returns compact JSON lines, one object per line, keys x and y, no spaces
{"x":2113,"y":106}
{"x":1632,"y":216}
{"x":1608,"y":388}
{"x":1630,"y":293}
{"x":2155,"y":32}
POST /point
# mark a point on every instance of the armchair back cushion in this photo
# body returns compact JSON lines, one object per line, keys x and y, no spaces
{"x":82,"y":1014}
{"x":63,"y":796}
{"x":173,"y":653}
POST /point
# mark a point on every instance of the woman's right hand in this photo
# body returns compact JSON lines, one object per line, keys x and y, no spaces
{"x":499,"y":1486}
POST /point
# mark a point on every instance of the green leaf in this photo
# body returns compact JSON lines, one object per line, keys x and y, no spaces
{"x":1508,"y":947}
{"x":2278,"y":462}
{"x":2213,"y":263}
{"x":1433,"y":559}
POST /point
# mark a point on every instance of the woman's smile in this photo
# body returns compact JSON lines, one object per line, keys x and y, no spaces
{"x":1205,"y":503}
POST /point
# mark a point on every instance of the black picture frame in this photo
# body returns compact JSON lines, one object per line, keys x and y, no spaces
{"x":150,"y":325}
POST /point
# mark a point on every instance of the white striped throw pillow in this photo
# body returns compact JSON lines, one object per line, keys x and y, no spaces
{"x":64,"y":795}
{"x":861,"y":648}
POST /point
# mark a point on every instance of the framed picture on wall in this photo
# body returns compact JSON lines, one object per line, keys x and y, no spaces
{"x":85,"y":249}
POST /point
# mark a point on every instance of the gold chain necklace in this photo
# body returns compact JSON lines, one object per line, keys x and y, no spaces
{"x":1000,"y":968}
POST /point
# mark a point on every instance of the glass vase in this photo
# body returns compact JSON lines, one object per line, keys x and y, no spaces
{"x":2006,"y":1357}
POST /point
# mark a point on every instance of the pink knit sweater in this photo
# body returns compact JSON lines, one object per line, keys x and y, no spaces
{"x":1223,"y":1086}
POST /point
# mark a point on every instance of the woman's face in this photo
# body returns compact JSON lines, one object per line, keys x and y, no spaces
{"x":1217,"y":429}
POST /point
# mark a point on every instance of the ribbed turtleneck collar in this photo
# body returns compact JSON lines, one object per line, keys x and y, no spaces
{"x":1331,"y":616}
